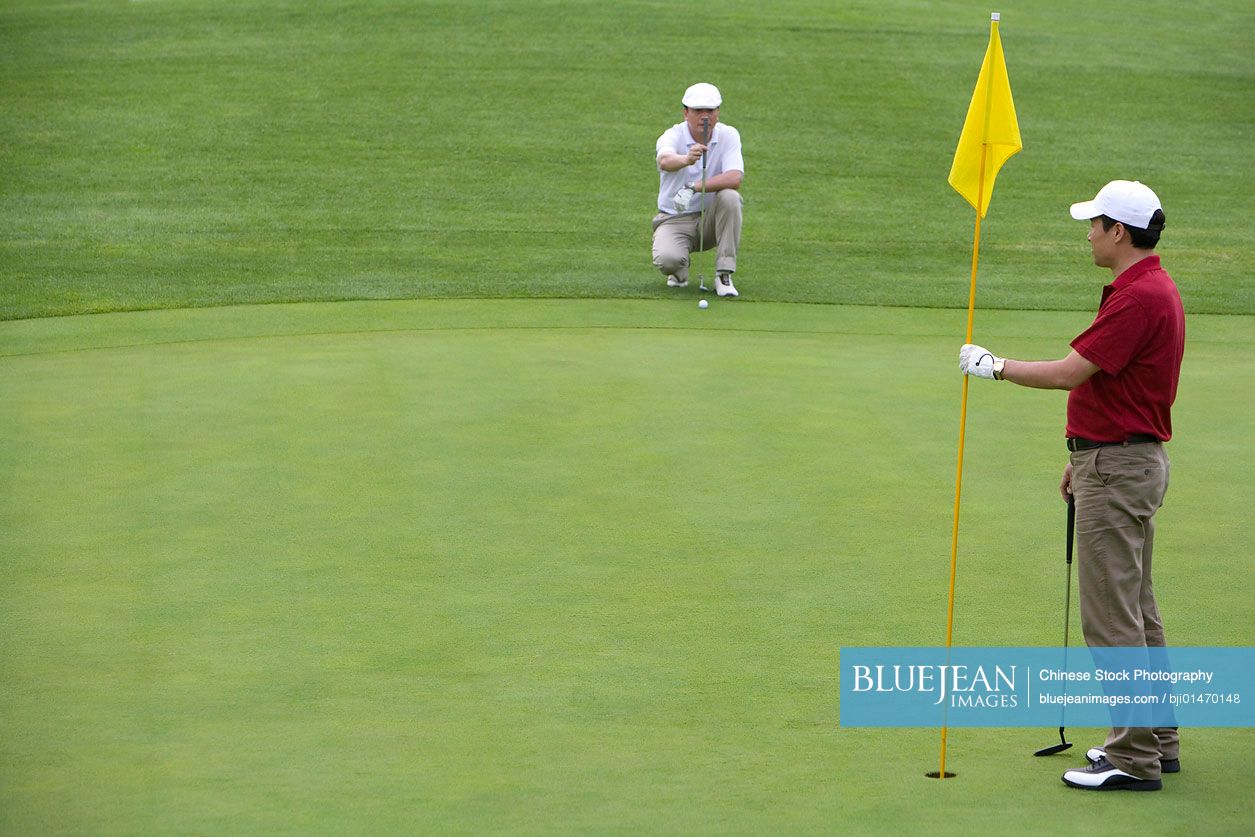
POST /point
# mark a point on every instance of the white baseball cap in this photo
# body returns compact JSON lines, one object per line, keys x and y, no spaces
{"x":702,"y":95}
{"x":1127,"y":201}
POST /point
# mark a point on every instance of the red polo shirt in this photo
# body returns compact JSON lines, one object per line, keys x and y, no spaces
{"x":1136,"y":341}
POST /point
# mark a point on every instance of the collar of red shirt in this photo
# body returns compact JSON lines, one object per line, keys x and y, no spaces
{"x":1136,"y":272}
{"x":1131,"y":275}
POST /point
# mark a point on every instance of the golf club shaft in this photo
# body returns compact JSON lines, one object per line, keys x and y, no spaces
{"x":1067,"y":618}
{"x":1071,"y":537}
{"x":1067,"y":597}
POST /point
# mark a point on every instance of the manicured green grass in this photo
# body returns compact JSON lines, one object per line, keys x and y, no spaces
{"x":162,"y":154}
{"x":551,"y":565}
{"x":570,"y":562}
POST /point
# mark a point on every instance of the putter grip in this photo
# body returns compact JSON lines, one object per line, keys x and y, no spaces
{"x":1071,"y":526}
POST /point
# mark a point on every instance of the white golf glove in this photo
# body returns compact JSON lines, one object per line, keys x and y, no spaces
{"x":980,"y":362}
{"x":684,"y":198}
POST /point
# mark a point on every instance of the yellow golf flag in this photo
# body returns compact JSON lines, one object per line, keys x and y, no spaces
{"x":991,"y":133}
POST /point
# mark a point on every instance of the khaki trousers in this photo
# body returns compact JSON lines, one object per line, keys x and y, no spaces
{"x":675,"y":236}
{"x":1117,"y":490}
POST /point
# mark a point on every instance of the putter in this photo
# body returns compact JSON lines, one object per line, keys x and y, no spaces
{"x":701,"y":215}
{"x":1064,"y":744}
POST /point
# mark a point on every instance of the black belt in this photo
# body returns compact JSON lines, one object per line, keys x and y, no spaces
{"x":1077,"y":443}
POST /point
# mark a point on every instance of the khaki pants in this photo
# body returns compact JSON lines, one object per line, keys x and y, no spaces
{"x":675,"y":236}
{"x":1117,"y":490}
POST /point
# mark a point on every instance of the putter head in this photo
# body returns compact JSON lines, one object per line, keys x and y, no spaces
{"x":1063,"y":744}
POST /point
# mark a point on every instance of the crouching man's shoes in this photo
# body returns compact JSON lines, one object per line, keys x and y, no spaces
{"x":1103,"y":775}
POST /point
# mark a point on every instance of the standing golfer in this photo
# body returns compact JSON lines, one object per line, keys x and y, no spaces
{"x":699,"y":172}
{"x":1122,"y":375}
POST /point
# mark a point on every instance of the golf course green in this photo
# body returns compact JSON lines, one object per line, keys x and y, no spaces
{"x":358,"y":473}
{"x":534,"y":565}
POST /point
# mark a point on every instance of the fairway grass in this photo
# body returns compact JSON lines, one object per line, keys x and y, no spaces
{"x":167,"y":155}
{"x":539,"y":566}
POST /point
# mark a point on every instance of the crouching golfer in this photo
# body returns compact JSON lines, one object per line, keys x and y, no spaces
{"x":699,"y":172}
{"x":1122,"y":375}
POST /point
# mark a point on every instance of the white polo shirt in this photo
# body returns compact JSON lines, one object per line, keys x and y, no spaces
{"x":723,"y":154}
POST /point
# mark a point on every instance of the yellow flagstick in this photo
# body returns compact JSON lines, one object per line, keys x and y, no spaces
{"x":958,"y":476}
{"x":978,"y":140}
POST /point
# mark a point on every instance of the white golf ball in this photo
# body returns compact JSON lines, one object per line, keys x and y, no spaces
{"x":701,"y":303}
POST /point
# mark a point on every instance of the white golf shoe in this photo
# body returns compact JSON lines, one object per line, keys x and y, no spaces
{"x":677,"y":282}
{"x":1103,"y":775}
{"x":724,"y":286}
